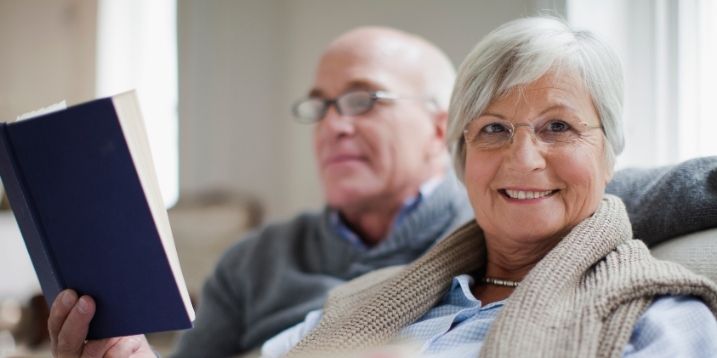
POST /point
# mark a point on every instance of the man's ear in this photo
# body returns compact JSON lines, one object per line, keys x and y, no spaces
{"x":440,"y":123}
{"x":439,"y":126}
{"x":437,"y":146}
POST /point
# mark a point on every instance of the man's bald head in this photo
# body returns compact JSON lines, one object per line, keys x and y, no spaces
{"x":417,"y":61}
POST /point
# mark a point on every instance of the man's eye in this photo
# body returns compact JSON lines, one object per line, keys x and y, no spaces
{"x":494,"y":128}
{"x":557,"y":126}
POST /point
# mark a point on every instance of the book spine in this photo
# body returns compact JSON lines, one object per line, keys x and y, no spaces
{"x":30,"y":227}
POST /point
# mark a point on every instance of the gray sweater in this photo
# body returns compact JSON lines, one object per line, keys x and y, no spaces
{"x":269,"y":280}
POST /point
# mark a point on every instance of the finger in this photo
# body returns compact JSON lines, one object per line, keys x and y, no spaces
{"x":71,"y":337}
{"x":98,"y":348}
{"x":61,"y":307}
{"x":124,"y":348}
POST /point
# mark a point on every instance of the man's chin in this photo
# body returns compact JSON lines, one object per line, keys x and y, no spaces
{"x":346,"y":170}
{"x":350,"y":198}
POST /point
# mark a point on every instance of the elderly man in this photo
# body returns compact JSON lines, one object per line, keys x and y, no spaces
{"x":379,"y":101}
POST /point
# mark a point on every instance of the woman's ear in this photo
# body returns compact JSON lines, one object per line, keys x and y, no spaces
{"x":609,"y":169}
{"x":609,"y":175}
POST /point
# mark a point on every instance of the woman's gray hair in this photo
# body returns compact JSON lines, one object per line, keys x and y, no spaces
{"x":520,"y":52}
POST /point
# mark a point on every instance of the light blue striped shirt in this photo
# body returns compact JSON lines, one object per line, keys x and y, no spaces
{"x":672,"y":326}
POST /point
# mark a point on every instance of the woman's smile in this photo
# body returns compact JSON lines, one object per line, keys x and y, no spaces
{"x":526,"y":196}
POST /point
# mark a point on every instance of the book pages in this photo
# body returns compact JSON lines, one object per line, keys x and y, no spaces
{"x":45,"y":110}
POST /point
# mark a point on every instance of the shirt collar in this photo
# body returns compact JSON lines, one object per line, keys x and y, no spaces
{"x":462,"y":287}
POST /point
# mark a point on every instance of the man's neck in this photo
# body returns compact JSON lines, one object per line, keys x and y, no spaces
{"x":373,"y":224}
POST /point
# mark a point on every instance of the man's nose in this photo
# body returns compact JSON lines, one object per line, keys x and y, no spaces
{"x":525,"y":152}
{"x":336,"y":123}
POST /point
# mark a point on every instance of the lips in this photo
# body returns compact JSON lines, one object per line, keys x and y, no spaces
{"x":343,"y":158}
{"x":521,"y":194}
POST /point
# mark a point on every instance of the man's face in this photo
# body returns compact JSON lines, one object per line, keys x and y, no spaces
{"x":380,"y":157}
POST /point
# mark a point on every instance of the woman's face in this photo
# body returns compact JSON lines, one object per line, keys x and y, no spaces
{"x":536,"y":186}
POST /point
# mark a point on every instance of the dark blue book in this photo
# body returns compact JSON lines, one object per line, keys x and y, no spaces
{"x":82,"y":186}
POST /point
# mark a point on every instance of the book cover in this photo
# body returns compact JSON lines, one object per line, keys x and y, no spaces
{"x":82,"y":187}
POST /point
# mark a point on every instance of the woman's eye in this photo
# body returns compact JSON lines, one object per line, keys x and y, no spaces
{"x":557,"y":126}
{"x":494,"y":128}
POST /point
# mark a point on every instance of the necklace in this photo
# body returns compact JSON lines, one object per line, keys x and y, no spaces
{"x":499,"y":282}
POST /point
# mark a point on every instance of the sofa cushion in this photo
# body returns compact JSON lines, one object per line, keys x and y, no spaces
{"x":696,"y":251}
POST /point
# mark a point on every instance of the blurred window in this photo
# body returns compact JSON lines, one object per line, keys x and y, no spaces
{"x":669,"y":54}
{"x":137,"y":49}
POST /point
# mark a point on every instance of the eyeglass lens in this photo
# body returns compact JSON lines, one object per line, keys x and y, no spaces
{"x":348,"y":104}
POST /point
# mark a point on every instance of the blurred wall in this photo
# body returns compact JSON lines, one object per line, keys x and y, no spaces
{"x":47,"y":53}
{"x":242,"y":64}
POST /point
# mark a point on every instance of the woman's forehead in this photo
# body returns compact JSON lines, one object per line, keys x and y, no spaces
{"x":549,"y":90}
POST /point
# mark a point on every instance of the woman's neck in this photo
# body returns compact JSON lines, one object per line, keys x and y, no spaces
{"x":509,"y":260}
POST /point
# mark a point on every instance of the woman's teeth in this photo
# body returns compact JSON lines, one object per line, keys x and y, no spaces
{"x":524,"y":195}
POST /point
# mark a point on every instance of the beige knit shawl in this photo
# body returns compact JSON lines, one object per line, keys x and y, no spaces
{"x":581,"y":300}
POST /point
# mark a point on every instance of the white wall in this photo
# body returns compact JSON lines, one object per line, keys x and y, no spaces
{"x":47,"y":50}
{"x":242,"y":64}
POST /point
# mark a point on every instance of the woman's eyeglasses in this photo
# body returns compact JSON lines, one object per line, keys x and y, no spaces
{"x":494,"y":133}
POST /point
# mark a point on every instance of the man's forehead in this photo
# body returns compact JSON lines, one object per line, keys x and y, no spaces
{"x":352,"y":85}
{"x":341,"y":72}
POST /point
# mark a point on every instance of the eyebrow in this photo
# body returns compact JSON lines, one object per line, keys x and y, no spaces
{"x":361,"y":84}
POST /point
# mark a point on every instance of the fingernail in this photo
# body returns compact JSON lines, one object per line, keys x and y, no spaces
{"x":67,"y":299}
{"x":83,"y":306}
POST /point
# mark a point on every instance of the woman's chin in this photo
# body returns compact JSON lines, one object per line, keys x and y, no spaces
{"x":528,"y":230}
{"x":530,"y":237}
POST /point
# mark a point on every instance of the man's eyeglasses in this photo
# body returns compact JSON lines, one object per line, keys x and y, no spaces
{"x":495,"y":134}
{"x":354,"y":103}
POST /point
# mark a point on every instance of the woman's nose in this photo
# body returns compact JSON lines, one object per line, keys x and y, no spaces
{"x":525,"y":152}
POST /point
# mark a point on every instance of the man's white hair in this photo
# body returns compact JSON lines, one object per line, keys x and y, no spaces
{"x":520,"y":52}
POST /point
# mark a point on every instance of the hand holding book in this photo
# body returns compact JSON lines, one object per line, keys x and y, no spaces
{"x":69,"y":322}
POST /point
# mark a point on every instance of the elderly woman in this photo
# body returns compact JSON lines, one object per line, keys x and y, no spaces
{"x":549,"y":268}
